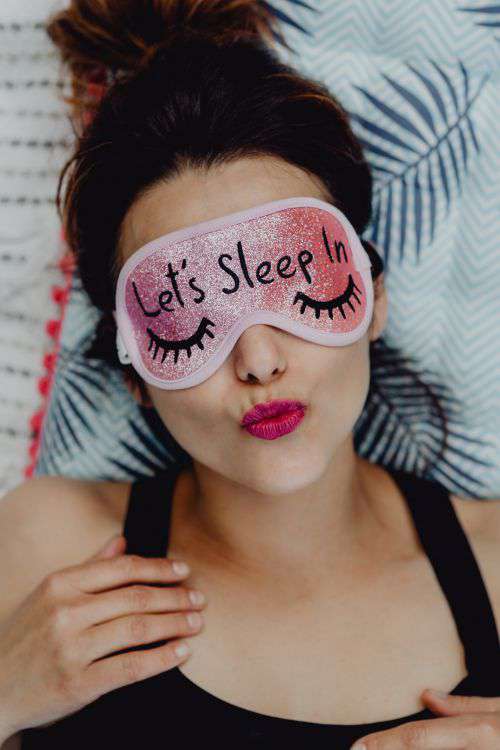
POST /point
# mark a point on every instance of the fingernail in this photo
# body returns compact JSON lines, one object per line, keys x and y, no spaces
{"x":438,"y":694}
{"x":197,"y":597}
{"x":359,"y":746}
{"x":182,"y":649}
{"x":180,"y":568}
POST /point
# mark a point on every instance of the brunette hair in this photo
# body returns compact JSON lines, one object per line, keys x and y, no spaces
{"x":159,"y":86}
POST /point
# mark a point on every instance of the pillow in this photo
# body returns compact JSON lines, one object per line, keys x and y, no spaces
{"x":420,"y":86}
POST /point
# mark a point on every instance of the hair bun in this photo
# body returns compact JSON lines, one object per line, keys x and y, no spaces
{"x":122,"y":36}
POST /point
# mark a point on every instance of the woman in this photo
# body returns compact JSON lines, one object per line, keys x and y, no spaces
{"x":336,"y":591}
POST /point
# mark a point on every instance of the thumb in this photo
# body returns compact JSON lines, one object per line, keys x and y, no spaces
{"x":114,"y":546}
{"x":451,"y":705}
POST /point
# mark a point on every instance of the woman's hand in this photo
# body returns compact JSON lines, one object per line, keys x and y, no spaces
{"x":471,"y":723}
{"x":57,"y":648}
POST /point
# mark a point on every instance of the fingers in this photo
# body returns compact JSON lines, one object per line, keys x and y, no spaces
{"x":451,"y":705}
{"x":100,"y":575}
{"x":135,"y":599}
{"x":114,"y":546}
{"x":116,"y":671}
{"x":133,"y":630}
{"x":481,"y":731}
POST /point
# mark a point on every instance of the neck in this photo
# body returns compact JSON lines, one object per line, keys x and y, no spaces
{"x":317,"y":528}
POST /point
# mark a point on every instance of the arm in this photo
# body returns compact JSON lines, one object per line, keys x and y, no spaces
{"x":46,"y":523}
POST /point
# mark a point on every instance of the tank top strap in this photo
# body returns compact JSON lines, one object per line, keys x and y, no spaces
{"x":446,"y":544}
{"x":147,"y":522}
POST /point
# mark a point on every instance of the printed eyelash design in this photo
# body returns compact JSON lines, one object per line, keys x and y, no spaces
{"x":178,"y":346}
{"x":317,"y":305}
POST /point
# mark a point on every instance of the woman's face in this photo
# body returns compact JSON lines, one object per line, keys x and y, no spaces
{"x":266,"y":363}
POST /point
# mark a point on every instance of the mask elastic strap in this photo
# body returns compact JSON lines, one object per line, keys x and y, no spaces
{"x":377,"y":262}
{"x":123,"y":354}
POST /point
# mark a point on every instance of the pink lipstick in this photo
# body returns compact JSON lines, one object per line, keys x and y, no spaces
{"x":273,"y":419}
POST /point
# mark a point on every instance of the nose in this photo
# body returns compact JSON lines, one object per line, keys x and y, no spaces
{"x":258,"y":355}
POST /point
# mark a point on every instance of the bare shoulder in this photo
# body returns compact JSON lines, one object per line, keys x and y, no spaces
{"x":478,"y":517}
{"x":115,"y":496}
{"x":48,"y":523}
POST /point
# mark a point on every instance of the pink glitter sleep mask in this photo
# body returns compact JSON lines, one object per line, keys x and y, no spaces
{"x":184,"y":299}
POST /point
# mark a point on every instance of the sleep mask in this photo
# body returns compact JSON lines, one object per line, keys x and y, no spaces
{"x":184,"y":299}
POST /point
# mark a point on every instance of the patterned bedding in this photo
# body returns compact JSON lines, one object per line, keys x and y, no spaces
{"x":421,"y":81}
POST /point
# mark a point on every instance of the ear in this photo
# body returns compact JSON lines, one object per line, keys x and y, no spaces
{"x":380,"y":304}
{"x":133,"y":388}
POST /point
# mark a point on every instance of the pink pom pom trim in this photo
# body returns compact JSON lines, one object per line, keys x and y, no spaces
{"x":60,"y":294}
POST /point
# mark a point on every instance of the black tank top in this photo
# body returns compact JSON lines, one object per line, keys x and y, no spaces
{"x":169,"y":706}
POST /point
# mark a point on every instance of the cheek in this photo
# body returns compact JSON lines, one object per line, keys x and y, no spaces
{"x":197,"y":419}
{"x":187,"y":413}
{"x":340,"y":378}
